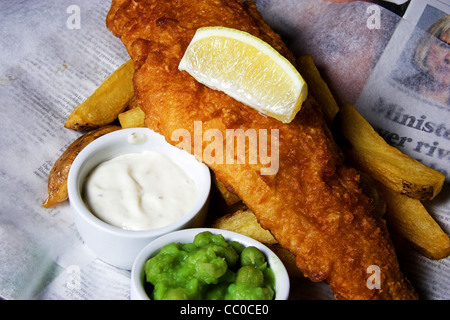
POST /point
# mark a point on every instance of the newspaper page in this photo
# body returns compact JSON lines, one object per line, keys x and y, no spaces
{"x":407,"y":100}
{"x":54,"y":54}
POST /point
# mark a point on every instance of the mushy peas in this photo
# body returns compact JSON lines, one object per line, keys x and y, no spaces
{"x":209,"y":268}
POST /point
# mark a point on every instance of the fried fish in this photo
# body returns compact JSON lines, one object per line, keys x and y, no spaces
{"x":313,"y":204}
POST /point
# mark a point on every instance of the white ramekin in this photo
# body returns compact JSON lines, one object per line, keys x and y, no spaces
{"x":116,"y":246}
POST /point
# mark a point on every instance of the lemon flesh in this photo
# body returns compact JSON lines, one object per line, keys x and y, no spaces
{"x":247,"y":69}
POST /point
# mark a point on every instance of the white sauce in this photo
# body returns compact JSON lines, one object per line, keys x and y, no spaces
{"x":139,"y":191}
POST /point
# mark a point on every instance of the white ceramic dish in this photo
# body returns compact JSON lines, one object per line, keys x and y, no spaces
{"x":114,"y":245}
{"x":282,"y":283}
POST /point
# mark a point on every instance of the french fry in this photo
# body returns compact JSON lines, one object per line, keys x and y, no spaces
{"x":244,"y":222}
{"x":132,"y":118}
{"x":288,"y":259}
{"x":104,"y":105}
{"x":369,"y":153}
{"x":370,"y":189}
{"x":409,"y":218}
{"x":229,"y":197}
{"x":318,"y":87}
{"x":57,"y":178}
{"x":132,"y":103}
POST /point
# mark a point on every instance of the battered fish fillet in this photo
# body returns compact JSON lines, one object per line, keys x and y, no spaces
{"x":313,"y":205}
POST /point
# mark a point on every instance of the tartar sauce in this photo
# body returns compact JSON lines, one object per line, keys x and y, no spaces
{"x":139,"y":191}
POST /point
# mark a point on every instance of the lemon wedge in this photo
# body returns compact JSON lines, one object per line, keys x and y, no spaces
{"x":247,"y":69}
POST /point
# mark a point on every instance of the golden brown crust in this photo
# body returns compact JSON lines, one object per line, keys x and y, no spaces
{"x":57,"y":178}
{"x":313,"y":205}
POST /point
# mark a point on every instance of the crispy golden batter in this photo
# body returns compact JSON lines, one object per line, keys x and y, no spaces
{"x":313,"y":205}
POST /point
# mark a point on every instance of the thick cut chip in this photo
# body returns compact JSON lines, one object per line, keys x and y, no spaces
{"x":247,"y":69}
{"x":104,"y":105}
{"x":245,"y":222}
{"x":318,"y":87}
{"x":132,"y":118}
{"x":229,"y":197}
{"x":57,"y":179}
{"x":409,"y":218}
{"x":371,"y":154}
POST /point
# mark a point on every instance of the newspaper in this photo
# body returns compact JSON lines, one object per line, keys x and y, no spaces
{"x":415,"y":119}
{"x":412,"y":119}
{"x":54,"y":54}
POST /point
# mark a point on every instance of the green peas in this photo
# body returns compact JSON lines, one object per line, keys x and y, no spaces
{"x":209,"y":268}
{"x":251,"y":256}
{"x":237,"y":246}
{"x":176,"y":294}
{"x":211,"y":272}
{"x":249,"y":275}
{"x":227,"y":252}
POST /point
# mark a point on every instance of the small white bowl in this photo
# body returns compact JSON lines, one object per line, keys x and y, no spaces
{"x":282,"y":283}
{"x":116,"y":246}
